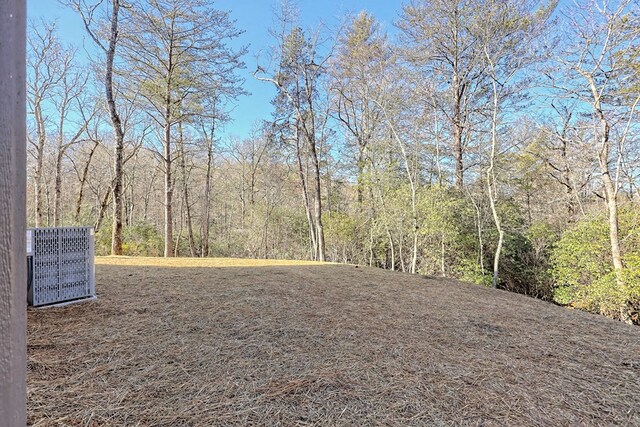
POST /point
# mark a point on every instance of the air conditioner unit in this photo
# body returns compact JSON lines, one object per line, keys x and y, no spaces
{"x":60,"y":265}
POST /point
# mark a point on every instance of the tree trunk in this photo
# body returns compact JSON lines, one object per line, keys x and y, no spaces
{"x":83,"y":181}
{"x":458,"y":129}
{"x":386,"y":227}
{"x":401,"y":253}
{"x":611,"y":197}
{"x":147,"y":196}
{"x":38,"y":187}
{"x":206,"y":217}
{"x":176,"y":247}
{"x":480,"y":240}
{"x":360,"y":178}
{"x":168,"y":193}
{"x":185,"y":194}
{"x":496,"y":219}
{"x":265,"y":230}
{"x":168,"y":179}
{"x":192,"y":242}
{"x":42,"y":138}
{"x":305,"y":195}
{"x":371,"y":254}
{"x":491,"y":180}
{"x":102,"y":210}
{"x":57,"y":200}
{"x":318,"y":203}
{"x":411,"y":177}
{"x":457,"y":153}
{"x":130,"y":206}
{"x":49,"y":210}
{"x":116,"y":236}
{"x":391,"y":246}
{"x":436,"y":129}
{"x":443,"y":254}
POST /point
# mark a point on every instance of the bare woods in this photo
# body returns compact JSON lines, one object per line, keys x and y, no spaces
{"x":492,"y":141}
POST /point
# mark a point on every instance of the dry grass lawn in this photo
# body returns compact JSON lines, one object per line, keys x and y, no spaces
{"x":250,"y":343}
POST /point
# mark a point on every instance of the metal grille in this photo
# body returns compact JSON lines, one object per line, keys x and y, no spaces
{"x":62,"y":264}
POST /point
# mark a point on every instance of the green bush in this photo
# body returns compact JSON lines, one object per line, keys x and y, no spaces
{"x":142,"y":240}
{"x":138,"y":240}
{"x":102,"y":241}
{"x":470,"y":271}
{"x":583,"y":269}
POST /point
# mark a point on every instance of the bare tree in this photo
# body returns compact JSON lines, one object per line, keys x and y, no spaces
{"x":399,"y":112}
{"x":101,"y":20}
{"x":208,"y":127}
{"x":605,"y":36}
{"x":441,"y":42}
{"x":72,"y":104}
{"x":175,"y":50}
{"x":362,"y":58}
{"x":296,"y":70}
{"x":82,"y":173}
{"x":563,"y":148}
{"x":45,"y":59}
{"x":508,"y":39}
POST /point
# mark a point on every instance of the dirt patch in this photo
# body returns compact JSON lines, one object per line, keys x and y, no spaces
{"x":322,"y":345}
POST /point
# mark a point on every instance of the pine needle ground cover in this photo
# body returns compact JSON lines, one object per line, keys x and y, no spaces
{"x":224,"y":342}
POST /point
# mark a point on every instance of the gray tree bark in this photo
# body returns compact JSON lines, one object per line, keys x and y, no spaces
{"x":168,"y":186}
{"x":116,"y":234}
{"x":83,"y":181}
{"x":206,"y":217}
{"x":610,"y":189}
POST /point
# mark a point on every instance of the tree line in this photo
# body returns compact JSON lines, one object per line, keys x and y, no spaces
{"x":492,"y":141}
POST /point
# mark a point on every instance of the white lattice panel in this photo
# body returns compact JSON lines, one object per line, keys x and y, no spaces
{"x":62,"y":265}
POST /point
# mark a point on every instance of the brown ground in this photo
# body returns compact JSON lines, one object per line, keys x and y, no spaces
{"x":322,"y":345}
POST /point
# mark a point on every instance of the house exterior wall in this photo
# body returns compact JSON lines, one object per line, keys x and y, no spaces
{"x":13,"y":290}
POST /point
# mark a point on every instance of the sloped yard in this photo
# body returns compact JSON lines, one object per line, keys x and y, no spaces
{"x":232,"y":342}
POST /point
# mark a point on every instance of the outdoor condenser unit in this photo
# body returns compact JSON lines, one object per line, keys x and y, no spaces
{"x":60,"y":265}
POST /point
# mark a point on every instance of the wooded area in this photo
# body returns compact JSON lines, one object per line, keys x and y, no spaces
{"x":496,"y":142}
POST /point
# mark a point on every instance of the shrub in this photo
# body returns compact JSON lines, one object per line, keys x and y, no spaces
{"x":142,"y":240}
{"x":583,"y":270}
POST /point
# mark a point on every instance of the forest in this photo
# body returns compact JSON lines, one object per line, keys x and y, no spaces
{"x":491,"y":141}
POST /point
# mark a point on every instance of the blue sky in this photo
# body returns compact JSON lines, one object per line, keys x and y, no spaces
{"x":254,"y":17}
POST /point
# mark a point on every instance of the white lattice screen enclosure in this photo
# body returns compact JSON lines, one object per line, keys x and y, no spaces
{"x":60,"y":265}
